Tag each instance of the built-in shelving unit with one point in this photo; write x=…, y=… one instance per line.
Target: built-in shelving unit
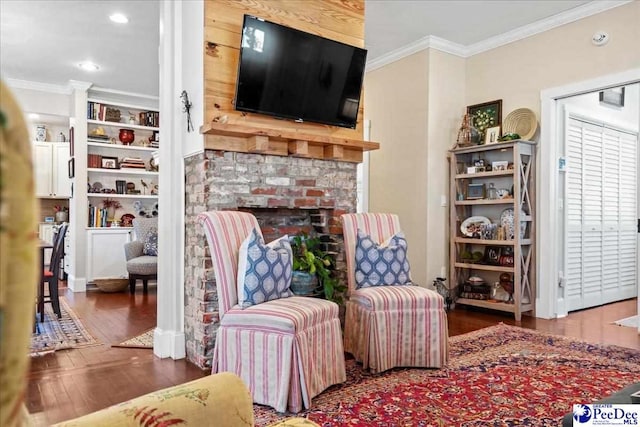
x=107, y=178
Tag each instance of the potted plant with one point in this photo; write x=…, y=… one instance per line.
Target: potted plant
x=61, y=213
x=312, y=269
x=111, y=205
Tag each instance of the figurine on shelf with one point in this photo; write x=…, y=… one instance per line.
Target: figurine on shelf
x=507, y=285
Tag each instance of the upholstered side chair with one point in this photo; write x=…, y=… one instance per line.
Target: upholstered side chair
x=286, y=350
x=142, y=253
x=390, y=326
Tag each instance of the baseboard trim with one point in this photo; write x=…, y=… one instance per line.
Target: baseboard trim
x=169, y=344
x=76, y=284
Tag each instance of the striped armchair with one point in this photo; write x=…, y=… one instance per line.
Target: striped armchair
x=390, y=326
x=286, y=350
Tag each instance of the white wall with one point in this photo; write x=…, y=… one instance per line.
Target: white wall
x=397, y=99
x=43, y=102
x=397, y=109
x=193, y=73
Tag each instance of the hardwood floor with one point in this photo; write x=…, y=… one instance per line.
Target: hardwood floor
x=70, y=383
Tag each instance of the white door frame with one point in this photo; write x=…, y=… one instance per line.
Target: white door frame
x=548, y=303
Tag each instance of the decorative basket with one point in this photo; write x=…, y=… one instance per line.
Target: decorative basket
x=521, y=121
x=112, y=285
x=112, y=115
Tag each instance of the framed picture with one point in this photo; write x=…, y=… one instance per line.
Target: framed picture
x=71, y=140
x=71, y=167
x=500, y=165
x=485, y=116
x=492, y=255
x=475, y=191
x=109, y=162
x=613, y=96
x=492, y=135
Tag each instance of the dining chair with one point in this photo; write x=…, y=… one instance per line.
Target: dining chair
x=50, y=275
x=287, y=350
x=390, y=322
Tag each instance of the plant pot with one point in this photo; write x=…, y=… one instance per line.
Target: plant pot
x=62, y=216
x=304, y=283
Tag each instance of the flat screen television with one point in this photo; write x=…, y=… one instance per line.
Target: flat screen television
x=291, y=74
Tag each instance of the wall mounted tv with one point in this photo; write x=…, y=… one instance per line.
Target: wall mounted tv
x=287, y=73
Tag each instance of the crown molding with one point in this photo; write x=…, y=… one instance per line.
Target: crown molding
x=116, y=92
x=42, y=87
x=80, y=85
x=421, y=44
x=433, y=42
x=571, y=15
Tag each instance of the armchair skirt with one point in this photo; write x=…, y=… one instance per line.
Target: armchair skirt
x=391, y=326
x=297, y=350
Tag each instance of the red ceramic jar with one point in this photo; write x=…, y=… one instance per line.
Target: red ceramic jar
x=126, y=136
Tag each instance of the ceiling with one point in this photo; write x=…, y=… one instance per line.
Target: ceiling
x=44, y=41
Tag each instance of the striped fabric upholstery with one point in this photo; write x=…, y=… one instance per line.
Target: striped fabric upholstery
x=287, y=350
x=391, y=326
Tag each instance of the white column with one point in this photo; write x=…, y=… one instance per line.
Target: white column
x=77, y=278
x=169, y=340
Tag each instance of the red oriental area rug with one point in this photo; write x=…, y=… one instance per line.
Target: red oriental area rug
x=497, y=376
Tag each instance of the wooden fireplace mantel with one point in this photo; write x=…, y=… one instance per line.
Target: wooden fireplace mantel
x=247, y=139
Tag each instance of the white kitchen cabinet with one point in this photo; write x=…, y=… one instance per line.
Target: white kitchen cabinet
x=67, y=251
x=45, y=232
x=105, y=253
x=50, y=161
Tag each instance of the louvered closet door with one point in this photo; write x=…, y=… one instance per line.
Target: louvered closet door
x=600, y=220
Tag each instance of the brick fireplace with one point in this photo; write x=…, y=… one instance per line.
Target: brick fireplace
x=287, y=194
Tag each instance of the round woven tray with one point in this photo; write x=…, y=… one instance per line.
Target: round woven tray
x=112, y=285
x=521, y=121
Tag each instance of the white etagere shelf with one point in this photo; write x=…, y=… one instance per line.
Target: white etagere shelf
x=121, y=125
x=110, y=228
x=121, y=146
x=125, y=171
x=122, y=196
x=120, y=105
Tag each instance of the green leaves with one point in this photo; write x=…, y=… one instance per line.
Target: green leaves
x=307, y=256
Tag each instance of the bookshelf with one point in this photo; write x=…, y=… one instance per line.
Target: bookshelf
x=117, y=169
x=492, y=220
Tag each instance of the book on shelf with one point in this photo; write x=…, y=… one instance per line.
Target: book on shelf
x=94, y=160
x=97, y=217
x=474, y=295
x=132, y=162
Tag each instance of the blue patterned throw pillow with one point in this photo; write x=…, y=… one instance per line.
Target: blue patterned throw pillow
x=151, y=244
x=383, y=264
x=264, y=271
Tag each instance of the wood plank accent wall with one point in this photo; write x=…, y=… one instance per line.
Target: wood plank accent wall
x=341, y=20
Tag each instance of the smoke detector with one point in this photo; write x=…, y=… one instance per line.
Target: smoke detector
x=600, y=38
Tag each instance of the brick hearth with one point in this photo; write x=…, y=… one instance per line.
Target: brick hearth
x=287, y=195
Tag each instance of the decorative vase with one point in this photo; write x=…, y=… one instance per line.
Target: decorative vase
x=304, y=283
x=111, y=213
x=126, y=136
x=41, y=133
x=468, y=135
x=62, y=216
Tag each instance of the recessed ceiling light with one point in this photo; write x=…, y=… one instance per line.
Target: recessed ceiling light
x=34, y=116
x=88, y=66
x=119, y=18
